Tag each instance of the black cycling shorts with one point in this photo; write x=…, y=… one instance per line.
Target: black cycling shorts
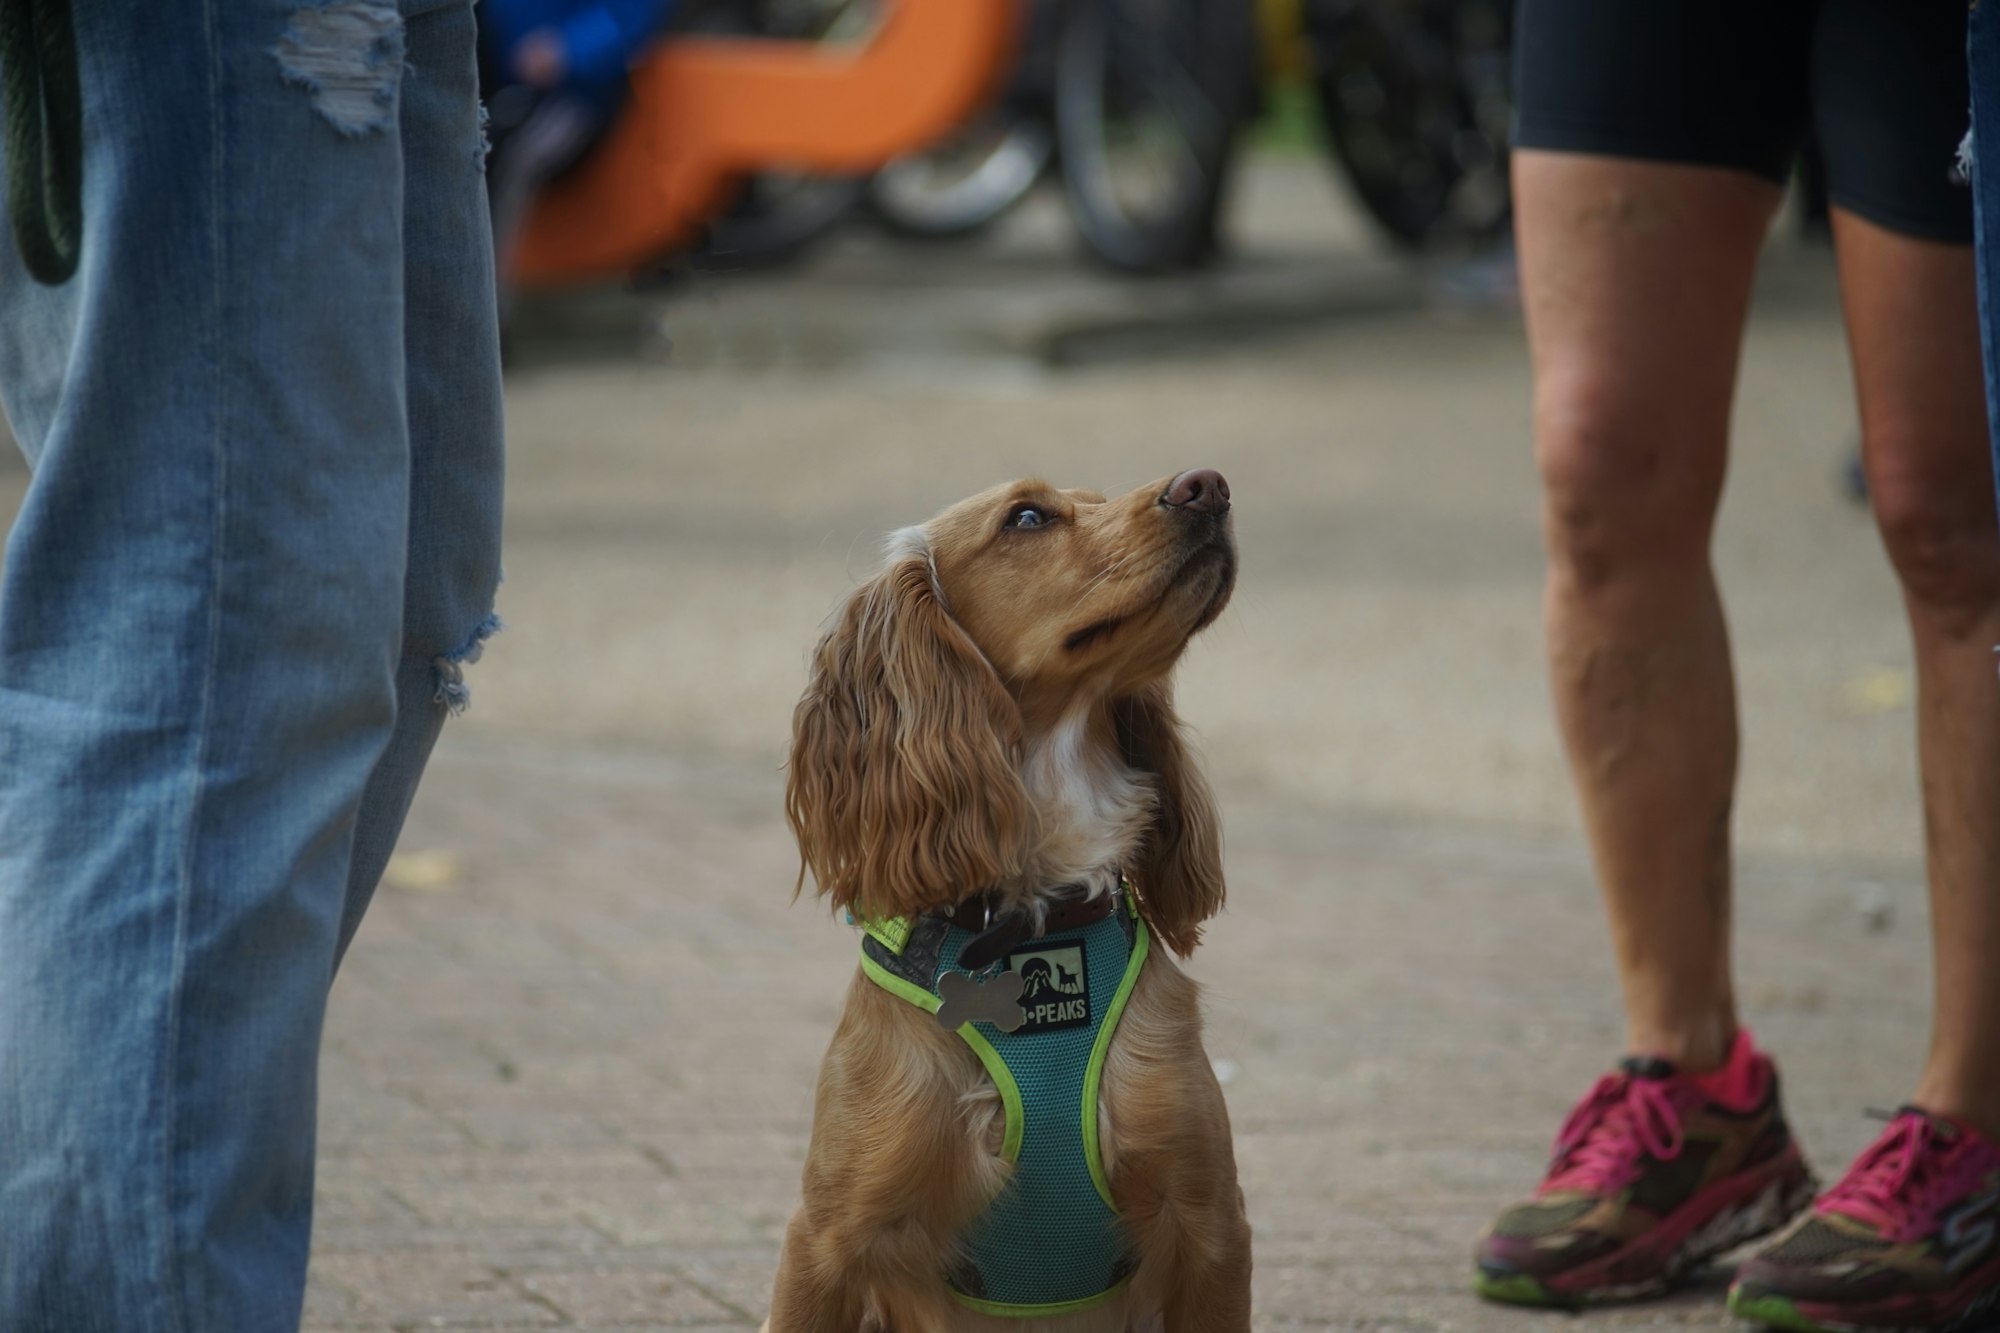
x=1736, y=83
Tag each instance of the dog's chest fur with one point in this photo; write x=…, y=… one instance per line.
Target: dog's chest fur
x=1093, y=809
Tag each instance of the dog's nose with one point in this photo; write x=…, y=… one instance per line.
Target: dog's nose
x=1201, y=489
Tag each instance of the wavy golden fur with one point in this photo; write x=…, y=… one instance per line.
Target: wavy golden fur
x=906, y=752
x=992, y=713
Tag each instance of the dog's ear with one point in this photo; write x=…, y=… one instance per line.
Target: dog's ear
x=1179, y=869
x=904, y=787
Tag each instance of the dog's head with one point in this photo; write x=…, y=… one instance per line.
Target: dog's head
x=1013, y=614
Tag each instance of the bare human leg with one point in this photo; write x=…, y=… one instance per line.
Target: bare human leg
x=1636, y=279
x=1914, y=332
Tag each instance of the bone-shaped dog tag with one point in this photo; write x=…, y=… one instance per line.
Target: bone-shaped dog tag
x=967, y=999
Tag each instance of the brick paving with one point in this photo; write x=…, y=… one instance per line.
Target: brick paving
x=568, y=1065
x=567, y=1079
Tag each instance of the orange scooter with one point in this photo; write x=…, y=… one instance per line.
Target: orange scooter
x=707, y=111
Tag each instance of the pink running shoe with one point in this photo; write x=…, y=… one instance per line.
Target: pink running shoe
x=1654, y=1172
x=1909, y=1239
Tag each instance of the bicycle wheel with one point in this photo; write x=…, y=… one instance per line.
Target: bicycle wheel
x=966, y=183
x=1150, y=98
x=776, y=217
x=1415, y=96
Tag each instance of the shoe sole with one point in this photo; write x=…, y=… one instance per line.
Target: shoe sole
x=1517, y=1289
x=1775, y=1311
x=1762, y=1214
x=1778, y=1312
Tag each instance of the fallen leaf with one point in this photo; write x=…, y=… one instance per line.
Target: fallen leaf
x=421, y=872
x=1883, y=690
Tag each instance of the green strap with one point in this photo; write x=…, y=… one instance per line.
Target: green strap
x=1009, y=1311
x=43, y=95
x=996, y=1067
x=1094, y=1075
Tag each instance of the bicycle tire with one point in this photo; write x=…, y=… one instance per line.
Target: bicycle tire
x=777, y=217
x=1415, y=100
x=1194, y=71
x=910, y=200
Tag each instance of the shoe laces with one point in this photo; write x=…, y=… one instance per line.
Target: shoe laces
x=1620, y=1120
x=1918, y=1165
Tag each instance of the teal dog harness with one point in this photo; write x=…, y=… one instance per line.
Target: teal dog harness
x=1050, y=1242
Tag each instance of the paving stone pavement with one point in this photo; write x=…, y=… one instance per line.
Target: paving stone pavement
x=568, y=1074
x=569, y=1063
x=568, y=1066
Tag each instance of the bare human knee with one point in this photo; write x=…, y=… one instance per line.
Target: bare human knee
x=1943, y=541
x=1626, y=498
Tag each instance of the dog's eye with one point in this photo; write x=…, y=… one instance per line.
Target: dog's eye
x=1026, y=516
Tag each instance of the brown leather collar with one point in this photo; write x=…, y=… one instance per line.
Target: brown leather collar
x=995, y=933
x=1068, y=910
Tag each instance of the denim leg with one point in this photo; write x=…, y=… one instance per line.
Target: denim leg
x=201, y=649
x=1983, y=55
x=452, y=359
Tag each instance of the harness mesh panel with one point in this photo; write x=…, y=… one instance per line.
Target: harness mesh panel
x=1049, y=1237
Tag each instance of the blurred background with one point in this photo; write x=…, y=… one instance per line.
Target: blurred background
x=569, y=1064
x=706, y=450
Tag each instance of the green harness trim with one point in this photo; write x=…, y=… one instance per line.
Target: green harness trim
x=1050, y=1243
x=1006, y=1311
x=1010, y=1095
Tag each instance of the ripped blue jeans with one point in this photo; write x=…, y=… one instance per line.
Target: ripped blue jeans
x=260, y=543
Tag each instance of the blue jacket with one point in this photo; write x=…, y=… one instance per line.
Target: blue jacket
x=602, y=35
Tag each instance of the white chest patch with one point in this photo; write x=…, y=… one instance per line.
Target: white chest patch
x=1093, y=808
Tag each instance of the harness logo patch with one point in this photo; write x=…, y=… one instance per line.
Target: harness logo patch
x=1055, y=986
